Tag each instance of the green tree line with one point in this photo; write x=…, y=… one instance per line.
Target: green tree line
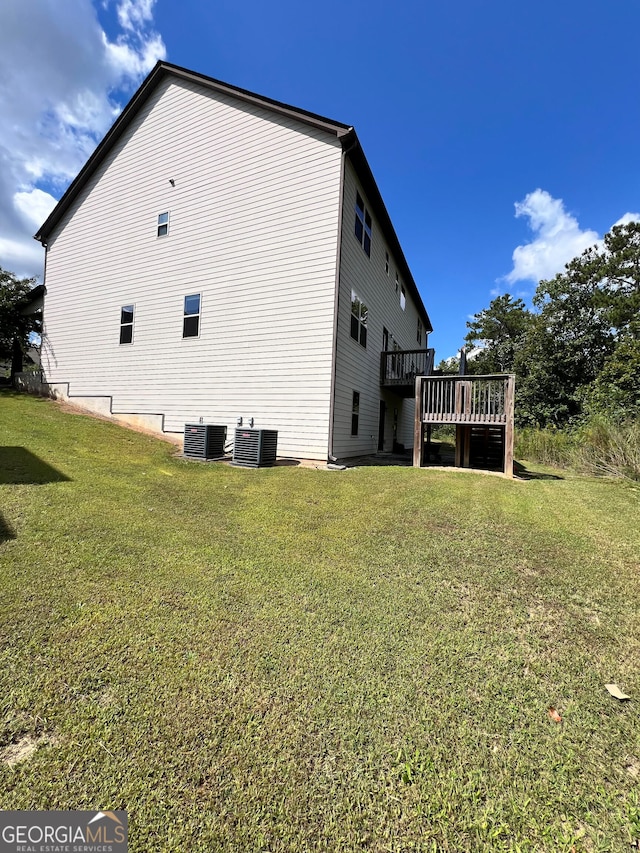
x=15, y=325
x=576, y=353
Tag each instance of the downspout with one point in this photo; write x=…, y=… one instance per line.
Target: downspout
x=44, y=298
x=336, y=299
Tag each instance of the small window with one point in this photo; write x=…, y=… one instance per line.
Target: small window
x=419, y=333
x=403, y=298
x=397, y=282
x=363, y=225
x=359, y=319
x=386, y=262
x=126, y=324
x=191, y=321
x=355, y=412
x=163, y=224
x=359, y=229
x=367, y=233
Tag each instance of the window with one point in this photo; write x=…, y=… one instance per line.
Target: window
x=419, y=335
x=359, y=317
x=355, y=412
x=363, y=225
x=126, y=324
x=191, y=322
x=403, y=297
x=163, y=224
x=386, y=262
x=397, y=282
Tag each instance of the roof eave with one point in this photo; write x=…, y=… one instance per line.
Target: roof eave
x=345, y=133
x=160, y=70
x=355, y=152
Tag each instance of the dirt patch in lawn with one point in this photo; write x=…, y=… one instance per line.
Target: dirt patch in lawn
x=22, y=750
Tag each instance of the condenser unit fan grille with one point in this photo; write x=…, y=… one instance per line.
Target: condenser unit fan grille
x=255, y=448
x=204, y=441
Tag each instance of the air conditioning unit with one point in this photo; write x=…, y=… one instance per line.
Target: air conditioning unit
x=255, y=448
x=204, y=441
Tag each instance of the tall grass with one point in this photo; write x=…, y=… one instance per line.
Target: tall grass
x=599, y=446
x=610, y=449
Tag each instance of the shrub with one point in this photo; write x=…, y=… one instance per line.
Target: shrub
x=608, y=448
x=599, y=446
x=549, y=446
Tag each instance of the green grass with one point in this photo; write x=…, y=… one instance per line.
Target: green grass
x=291, y=659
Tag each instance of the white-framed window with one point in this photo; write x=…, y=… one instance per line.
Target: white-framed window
x=126, y=324
x=359, y=319
x=397, y=281
x=363, y=225
x=386, y=263
x=355, y=412
x=419, y=332
x=191, y=319
x=403, y=297
x=163, y=224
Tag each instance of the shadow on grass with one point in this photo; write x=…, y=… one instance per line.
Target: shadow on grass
x=6, y=532
x=522, y=473
x=18, y=466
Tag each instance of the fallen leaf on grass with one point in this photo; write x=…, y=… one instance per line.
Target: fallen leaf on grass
x=554, y=715
x=616, y=692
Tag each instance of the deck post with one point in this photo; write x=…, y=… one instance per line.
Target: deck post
x=467, y=446
x=459, y=445
x=509, y=404
x=417, y=425
x=467, y=398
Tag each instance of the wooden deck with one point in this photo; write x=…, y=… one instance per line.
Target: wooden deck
x=399, y=369
x=468, y=402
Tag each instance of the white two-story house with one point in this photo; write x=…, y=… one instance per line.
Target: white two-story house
x=221, y=255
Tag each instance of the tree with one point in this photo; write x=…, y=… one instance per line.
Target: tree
x=585, y=314
x=567, y=344
x=500, y=331
x=577, y=351
x=15, y=326
x=448, y=366
x=616, y=390
x=619, y=274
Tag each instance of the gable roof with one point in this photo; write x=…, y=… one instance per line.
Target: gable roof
x=343, y=132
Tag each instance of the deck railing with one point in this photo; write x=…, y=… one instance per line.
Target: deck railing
x=400, y=367
x=465, y=399
x=467, y=402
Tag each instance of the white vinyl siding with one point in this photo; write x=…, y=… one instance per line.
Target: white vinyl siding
x=357, y=367
x=253, y=229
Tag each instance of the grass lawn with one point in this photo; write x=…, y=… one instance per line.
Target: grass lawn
x=292, y=659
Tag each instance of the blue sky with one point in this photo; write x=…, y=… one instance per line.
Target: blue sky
x=469, y=114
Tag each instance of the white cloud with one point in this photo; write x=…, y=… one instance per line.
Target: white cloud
x=22, y=256
x=626, y=218
x=34, y=206
x=557, y=239
x=133, y=62
x=57, y=103
x=133, y=14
